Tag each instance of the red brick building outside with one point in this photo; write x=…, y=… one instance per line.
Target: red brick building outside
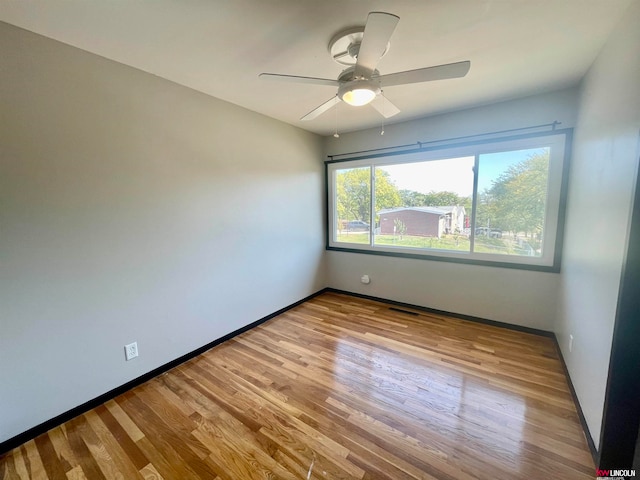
x=418, y=221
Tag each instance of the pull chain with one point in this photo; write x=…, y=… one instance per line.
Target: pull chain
x=336, y=109
x=384, y=103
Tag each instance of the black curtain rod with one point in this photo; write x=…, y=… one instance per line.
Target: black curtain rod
x=552, y=125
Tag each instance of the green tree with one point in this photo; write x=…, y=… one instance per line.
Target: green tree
x=353, y=193
x=486, y=214
x=411, y=198
x=435, y=199
x=516, y=200
x=387, y=195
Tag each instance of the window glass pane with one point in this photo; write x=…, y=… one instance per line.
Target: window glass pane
x=353, y=205
x=424, y=205
x=428, y=203
x=512, y=196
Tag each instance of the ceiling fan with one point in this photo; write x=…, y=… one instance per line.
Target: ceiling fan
x=361, y=49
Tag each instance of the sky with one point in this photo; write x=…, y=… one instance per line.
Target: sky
x=492, y=165
x=454, y=174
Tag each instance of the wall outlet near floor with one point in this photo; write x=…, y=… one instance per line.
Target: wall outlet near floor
x=131, y=351
x=570, y=343
x=365, y=279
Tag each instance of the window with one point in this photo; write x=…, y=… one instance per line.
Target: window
x=492, y=202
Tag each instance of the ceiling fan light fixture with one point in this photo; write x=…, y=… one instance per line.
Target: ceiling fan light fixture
x=358, y=96
x=358, y=92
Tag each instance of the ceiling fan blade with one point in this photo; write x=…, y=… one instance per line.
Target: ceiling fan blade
x=297, y=79
x=377, y=32
x=440, y=72
x=385, y=107
x=316, y=112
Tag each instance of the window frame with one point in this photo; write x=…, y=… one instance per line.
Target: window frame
x=559, y=140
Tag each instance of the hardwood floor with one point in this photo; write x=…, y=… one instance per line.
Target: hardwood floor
x=350, y=385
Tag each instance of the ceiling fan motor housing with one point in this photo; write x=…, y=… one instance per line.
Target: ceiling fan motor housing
x=348, y=75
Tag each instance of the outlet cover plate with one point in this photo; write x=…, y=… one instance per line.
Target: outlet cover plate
x=131, y=351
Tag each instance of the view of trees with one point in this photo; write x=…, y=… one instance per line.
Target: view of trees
x=412, y=198
x=353, y=193
x=515, y=202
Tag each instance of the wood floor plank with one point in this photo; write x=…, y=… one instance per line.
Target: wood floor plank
x=149, y=472
x=63, y=449
x=114, y=448
x=235, y=452
x=97, y=449
x=280, y=424
x=50, y=461
x=351, y=385
x=126, y=443
x=8, y=467
x=86, y=461
x=158, y=460
x=76, y=473
x=167, y=440
x=123, y=419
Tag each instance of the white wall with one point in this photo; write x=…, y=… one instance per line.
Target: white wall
x=517, y=297
x=133, y=209
x=599, y=205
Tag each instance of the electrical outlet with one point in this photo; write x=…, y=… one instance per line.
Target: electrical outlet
x=570, y=343
x=131, y=351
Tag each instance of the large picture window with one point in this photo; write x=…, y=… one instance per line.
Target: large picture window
x=492, y=202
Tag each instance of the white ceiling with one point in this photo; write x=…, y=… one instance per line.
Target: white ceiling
x=218, y=47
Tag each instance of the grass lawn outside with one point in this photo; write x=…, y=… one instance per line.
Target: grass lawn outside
x=503, y=246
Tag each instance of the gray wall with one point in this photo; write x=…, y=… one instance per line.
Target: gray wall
x=513, y=296
x=599, y=206
x=133, y=209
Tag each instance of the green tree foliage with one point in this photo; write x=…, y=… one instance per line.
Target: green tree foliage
x=353, y=193
x=516, y=200
x=387, y=195
x=412, y=198
x=486, y=214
